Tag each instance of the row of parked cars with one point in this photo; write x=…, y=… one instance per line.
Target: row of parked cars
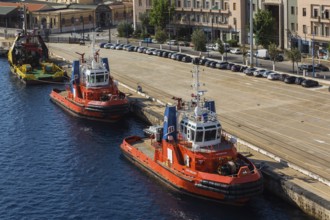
x=150, y=51
x=271, y=75
x=289, y=79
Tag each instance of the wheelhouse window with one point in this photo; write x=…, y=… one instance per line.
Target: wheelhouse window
x=210, y=135
x=192, y=134
x=199, y=135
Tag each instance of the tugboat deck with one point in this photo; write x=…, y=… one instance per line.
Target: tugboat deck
x=146, y=147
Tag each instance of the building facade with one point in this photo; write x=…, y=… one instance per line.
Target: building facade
x=224, y=19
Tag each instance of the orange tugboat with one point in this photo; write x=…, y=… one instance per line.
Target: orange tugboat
x=93, y=94
x=192, y=154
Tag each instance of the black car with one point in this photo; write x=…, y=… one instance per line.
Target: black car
x=207, y=63
x=213, y=64
x=165, y=54
x=299, y=80
x=229, y=65
x=179, y=57
x=186, y=59
x=309, y=83
x=236, y=68
x=290, y=79
x=321, y=67
x=243, y=68
x=203, y=61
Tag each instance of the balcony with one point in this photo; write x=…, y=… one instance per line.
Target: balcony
x=204, y=10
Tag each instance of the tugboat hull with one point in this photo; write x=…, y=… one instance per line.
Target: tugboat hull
x=187, y=181
x=104, y=111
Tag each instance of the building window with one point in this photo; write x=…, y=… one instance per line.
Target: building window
x=207, y=5
x=326, y=14
x=254, y=7
x=316, y=13
x=292, y=10
x=197, y=4
x=304, y=12
x=226, y=6
x=316, y=30
x=179, y=4
x=234, y=6
x=140, y=2
x=304, y=29
x=292, y=26
x=326, y=30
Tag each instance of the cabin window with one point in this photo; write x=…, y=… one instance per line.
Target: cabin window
x=210, y=135
x=192, y=134
x=100, y=77
x=199, y=136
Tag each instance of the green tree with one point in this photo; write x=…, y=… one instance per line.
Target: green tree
x=221, y=47
x=124, y=29
x=160, y=35
x=263, y=28
x=198, y=38
x=273, y=53
x=161, y=13
x=144, y=18
x=295, y=56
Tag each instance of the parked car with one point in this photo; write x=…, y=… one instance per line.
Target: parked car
x=172, y=42
x=101, y=45
x=213, y=64
x=279, y=57
x=203, y=61
x=126, y=46
x=98, y=29
x=309, y=83
x=187, y=59
x=184, y=43
x=131, y=48
x=290, y=79
x=108, y=45
x=243, y=68
x=306, y=67
x=150, y=51
x=274, y=76
x=266, y=73
x=207, y=63
x=165, y=54
x=229, y=66
x=259, y=73
x=113, y=46
x=236, y=68
x=120, y=47
x=321, y=67
x=283, y=76
x=236, y=51
x=141, y=49
x=299, y=80
x=249, y=71
x=222, y=65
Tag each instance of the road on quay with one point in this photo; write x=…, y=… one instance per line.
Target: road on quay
x=289, y=121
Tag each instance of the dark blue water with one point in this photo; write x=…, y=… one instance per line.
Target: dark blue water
x=55, y=166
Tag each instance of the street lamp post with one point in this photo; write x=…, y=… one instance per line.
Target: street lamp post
x=313, y=55
x=251, y=33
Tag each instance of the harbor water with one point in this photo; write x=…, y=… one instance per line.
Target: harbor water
x=56, y=166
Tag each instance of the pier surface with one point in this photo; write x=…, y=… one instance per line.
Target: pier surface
x=287, y=125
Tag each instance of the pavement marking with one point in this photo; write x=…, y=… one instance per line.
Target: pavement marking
x=320, y=141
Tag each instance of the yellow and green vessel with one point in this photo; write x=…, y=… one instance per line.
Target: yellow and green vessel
x=28, y=58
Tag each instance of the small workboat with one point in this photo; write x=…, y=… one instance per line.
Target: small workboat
x=93, y=93
x=28, y=58
x=192, y=154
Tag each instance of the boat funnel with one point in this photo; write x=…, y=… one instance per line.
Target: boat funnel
x=210, y=105
x=106, y=63
x=169, y=128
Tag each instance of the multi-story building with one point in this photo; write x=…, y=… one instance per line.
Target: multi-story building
x=224, y=19
x=313, y=26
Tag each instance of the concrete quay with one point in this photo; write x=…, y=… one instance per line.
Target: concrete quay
x=283, y=127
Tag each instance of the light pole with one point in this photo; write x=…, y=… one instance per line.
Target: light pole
x=251, y=33
x=313, y=54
